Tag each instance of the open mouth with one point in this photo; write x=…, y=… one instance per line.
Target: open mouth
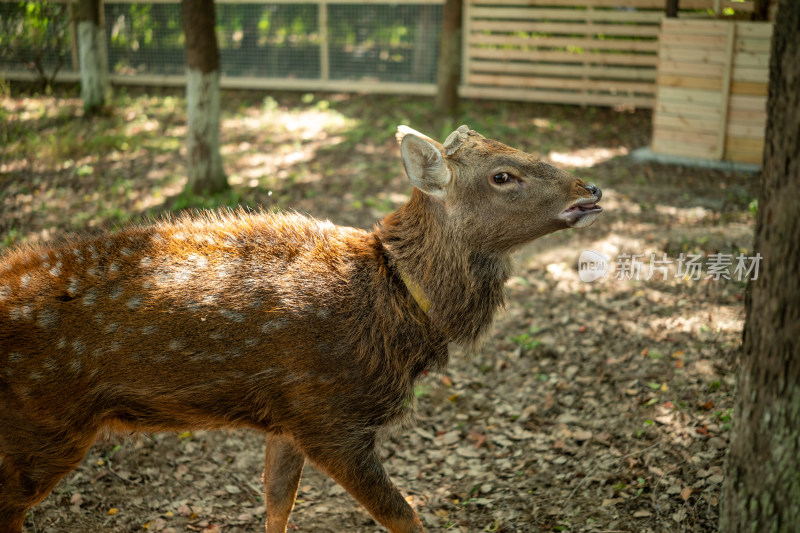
x=582, y=213
x=582, y=207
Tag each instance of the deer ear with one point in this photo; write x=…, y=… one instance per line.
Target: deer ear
x=403, y=130
x=424, y=164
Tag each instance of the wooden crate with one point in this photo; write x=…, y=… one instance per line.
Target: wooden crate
x=589, y=52
x=712, y=89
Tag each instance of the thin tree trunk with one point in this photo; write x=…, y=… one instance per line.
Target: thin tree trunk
x=760, y=10
x=762, y=484
x=449, y=71
x=202, y=98
x=672, y=8
x=93, y=55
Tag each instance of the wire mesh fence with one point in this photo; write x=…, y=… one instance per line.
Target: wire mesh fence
x=302, y=44
x=595, y=52
x=36, y=37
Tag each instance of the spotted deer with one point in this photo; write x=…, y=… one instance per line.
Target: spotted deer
x=312, y=333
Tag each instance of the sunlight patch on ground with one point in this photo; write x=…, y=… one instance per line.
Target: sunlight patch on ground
x=280, y=140
x=586, y=157
x=300, y=125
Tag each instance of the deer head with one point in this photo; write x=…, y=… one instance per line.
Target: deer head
x=495, y=196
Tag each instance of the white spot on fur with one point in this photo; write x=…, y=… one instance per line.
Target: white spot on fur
x=62, y=342
x=14, y=313
x=5, y=292
x=27, y=312
x=93, y=271
x=149, y=330
x=99, y=318
x=36, y=376
x=14, y=357
x=178, y=275
x=114, y=346
x=176, y=344
x=251, y=342
x=233, y=316
x=49, y=364
x=90, y=298
x=145, y=262
x=116, y=292
x=56, y=270
x=78, y=346
x=134, y=303
x=114, y=267
x=274, y=325
x=76, y=365
x=209, y=299
x=47, y=318
x=112, y=327
x=126, y=252
x=199, y=259
x=74, y=285
x=25, y=279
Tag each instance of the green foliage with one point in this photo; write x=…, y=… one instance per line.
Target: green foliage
x=35, y=36
x=753, y=206
x=187, y=200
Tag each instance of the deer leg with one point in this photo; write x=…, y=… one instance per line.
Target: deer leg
x=361, y=474
x=282, y=469
x=31, y=468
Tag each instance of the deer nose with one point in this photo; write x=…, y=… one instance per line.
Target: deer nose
x=594, y=189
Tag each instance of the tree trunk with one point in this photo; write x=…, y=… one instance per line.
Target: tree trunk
x=760, y=10
x=202, y=98
x=93, y=56
x=762, y=483
x=449, y=69
x=672, y=8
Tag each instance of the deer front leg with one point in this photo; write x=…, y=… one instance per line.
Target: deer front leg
x=363, y=476
x=283, y=466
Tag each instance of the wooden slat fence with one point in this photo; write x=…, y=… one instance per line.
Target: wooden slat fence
x=712, y=78
x=590, y=52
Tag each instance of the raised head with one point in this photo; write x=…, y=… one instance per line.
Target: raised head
x=495, y=195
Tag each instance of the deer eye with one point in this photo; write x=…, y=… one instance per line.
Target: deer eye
x=502, y=177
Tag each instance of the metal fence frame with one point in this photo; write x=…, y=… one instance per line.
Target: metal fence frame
x=323, y=83
x=510, y=67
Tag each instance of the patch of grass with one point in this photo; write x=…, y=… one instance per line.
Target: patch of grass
x=13, y=236
x=187, y=200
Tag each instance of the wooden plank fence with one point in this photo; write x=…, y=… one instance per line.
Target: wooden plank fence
x=712, y=89
x=590, y=52
x=585, y=52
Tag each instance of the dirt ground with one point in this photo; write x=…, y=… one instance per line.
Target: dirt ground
x=597, y=407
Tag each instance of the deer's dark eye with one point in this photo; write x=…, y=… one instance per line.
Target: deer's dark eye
x=502, y=177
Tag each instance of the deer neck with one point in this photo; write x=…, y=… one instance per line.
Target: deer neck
x=457, y=287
